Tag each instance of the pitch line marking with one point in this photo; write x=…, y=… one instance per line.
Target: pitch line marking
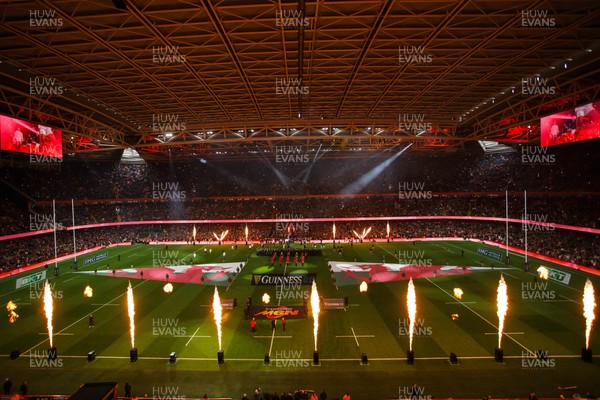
x=349, y=336
x=63, y=273
x=505, y=333
x=276, y=337
x=460, y=302
x=70, y=279
x=568, y=299
x=479, y=315
x=487, y=357
x=527, y=272
x=105, y=304
x=272, y=337
x=57, y=334
x=191, y=337
x=196, y=336
x=80, y=319
x=355, y=338
x=278, y=303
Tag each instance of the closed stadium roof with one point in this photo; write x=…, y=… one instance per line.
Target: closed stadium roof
x=199, y=78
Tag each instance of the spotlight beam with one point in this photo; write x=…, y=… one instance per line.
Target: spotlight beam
x=363, y=181
x=245, y=183
x=285, y=181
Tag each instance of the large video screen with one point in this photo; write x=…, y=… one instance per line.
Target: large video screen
x=574, y=125
x=26, y=137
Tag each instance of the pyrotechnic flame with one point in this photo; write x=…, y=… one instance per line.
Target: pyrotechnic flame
x=12, y=315
x=543, y=271
x=458, y=293
x=48, y=309
x=218, y=311
x=589, y=303
x=266, y=298
x=194, y=232
x=387, y=228
x=502, y=300
x=246, y=232
x=88, y=292
x=364, y=233
x=221, y=236
x=131, y=313
x=168, y=288
x=454, y=317
x=411, y=300
x=364, y=286
x=316, y=308
x=333, y=231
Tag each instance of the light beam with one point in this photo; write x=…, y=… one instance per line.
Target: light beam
x=221, y=236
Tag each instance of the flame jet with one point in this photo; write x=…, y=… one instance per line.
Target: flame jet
x=316, y=308
x=131, y=313
x=48, y=310
x=218, y=311
x=502, y=300
x=589, y=303
x=411, y=300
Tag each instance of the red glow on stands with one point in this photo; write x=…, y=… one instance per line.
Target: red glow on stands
x=314, y=196
x=275, y=220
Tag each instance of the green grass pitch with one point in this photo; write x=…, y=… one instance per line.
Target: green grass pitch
x=373, y=323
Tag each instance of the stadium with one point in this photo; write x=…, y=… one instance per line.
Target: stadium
x=273, y=200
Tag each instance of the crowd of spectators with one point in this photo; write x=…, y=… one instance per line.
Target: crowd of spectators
x=572, y=246
x=563, y=191
x=569, y=210
x=569, y=169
